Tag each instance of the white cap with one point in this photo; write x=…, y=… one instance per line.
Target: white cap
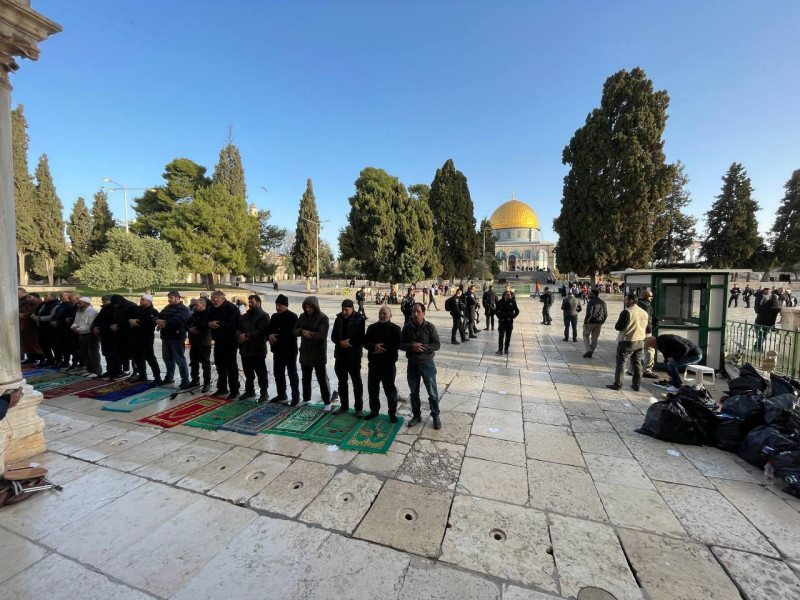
x=85, y=299
x=146, y=297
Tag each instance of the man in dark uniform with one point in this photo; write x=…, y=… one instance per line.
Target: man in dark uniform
x=382, y=341
x=283, y=344
x=489, y=305
x=223, y=320
x=347, y=336
x=472, y=309
x=252, y=337
x=547, y=301
x=143, y=336
x=406, y=303
x=748, y=292
x=171, y=322
x=200, y=344
x=507, y=311
x=457, y=308
x=360, y=297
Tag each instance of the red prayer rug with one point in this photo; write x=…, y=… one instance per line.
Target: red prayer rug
x=74, y=388
x=177, y=415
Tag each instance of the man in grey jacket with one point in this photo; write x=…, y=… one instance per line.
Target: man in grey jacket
x=420, y=341
x=570, y=307
x=596, y=315
x=312, y=329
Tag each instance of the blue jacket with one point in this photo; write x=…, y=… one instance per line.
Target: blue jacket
x=176, y=316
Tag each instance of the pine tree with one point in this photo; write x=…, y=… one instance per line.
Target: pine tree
x=102, y=223
x=49, y=219
x=732, y=229
x=229, y=171
x=454, y=221
x=786, y=230
x=681, y=227
x=614, y=198
x=424, y=237
x=304, y=252
x=24, y=194
x=79, y=230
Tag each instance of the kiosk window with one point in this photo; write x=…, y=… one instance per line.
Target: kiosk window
x=680, y=301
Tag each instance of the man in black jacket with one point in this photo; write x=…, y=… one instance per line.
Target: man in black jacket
x=457, y=308
x=171, y=322
x=252, y=336
x=62, y=336
x=361, y=295
x=312, y=329
x=547, y=301
x=223, y=320
x=101, y=327
x=767, y=314
x=678, y=352
x=489, y=305
x=420, y=341
x=596, y=315
x=507, y=311
x=142, y=333
x=123, y=311
x=382, y=341
x=283, y=344
x=200, y=344
x=347, y=337
x=472, y=309
x=570, y=307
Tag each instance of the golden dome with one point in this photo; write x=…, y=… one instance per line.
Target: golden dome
x=514, y=214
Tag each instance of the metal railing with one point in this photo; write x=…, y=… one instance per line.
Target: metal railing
x=747, y=342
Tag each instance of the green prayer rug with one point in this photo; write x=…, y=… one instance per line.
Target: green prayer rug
x=222, y=415
x=375, y=435
x=334, y=429
x=297, y=422
x=49, y=385
x=44, y=377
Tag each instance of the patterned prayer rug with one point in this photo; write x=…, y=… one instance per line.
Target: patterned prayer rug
x=49, y=385
x=74, y=388
x=334, y=429
x=375, y=435
x=126, y=392
x=44, y=377
x=34, y=372
x=138, y=401
x=187, y=411
x=297, y=422
x=110, y=386
x=256, y=420
x=222, y=415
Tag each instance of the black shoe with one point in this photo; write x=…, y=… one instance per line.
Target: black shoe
x=341, y=410
x=294, y=402
x=393, y=418
x=247, y=395
x=415, y=420
x=157, y=382
x=233, y=395
x=455, y=342
x=30, y=361
x=279, y=398
x=371, y=415
x=566, y=339
x=169, y=381
x=499, y=353
x=505, y=351
x=263, y=398
x=587, y=355
x=437, y=424
x=195, y=382
x=206, y=388
x=220, y=392
x=649, y=375
x=185, y=385
x=613, y=386
x=486, y=329
x=103, y=374
x=359, y=414
x=472, y=336
x=635, y=388
x=629, y=373
x=574, y=339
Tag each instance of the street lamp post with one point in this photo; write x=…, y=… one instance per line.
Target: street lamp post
x=125, y=196
x=319, y=227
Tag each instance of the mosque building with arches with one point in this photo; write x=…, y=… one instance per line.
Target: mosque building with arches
x=517, y=246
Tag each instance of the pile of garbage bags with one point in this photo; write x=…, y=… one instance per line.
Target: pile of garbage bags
x=759, y=419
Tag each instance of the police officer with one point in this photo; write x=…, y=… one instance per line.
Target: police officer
x=507, y=311
x=472, y=309
x=547, y=301
x=457, y=308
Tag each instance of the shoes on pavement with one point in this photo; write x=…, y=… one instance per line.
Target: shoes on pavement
x=472, y=336
x=247, y=395
x=455, y=342
x=342, y=410
x=219, y=392
x=486, y=329
x=359, y=414
x=649, y=375
x=334, y=397
x=505, y=351
x=629, y=373
x=613, y=386
x=574, y=339
x=263, y=398
x=437, y=424
x=587, y=355
x=233, y=395
x=206, y=388
x=278, y=398
x=566, y=339
x=171, y=381
x=326, y=408
x=157, y=382
x=371, y=415
x=499, y=353
x=185, y=385
x=415, y=420
x=393, y=418
x=635, y=388
x=195, y=382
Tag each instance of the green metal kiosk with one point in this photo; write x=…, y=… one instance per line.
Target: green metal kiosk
x=692, y=303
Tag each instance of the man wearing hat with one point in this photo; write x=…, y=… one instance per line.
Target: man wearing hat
x=171, y=322
x=347, y=337
x=223, y=320
x=283, y=344
x=312, y=329
x=143, y=336
x=88, y=344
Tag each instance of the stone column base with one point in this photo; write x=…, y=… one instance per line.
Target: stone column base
x=21, y=432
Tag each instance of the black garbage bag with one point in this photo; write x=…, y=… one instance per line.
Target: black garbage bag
x=668, y=420
x=701, y=407
x=762, y=443
x=783, y=412
x=749, y=380
x=787, y=469
x=748, y=406
x=729, y=432
x=782, y=385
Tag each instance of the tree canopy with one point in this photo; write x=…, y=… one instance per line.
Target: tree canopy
x=24, y=194
x=614, y=197
x=79, y=230
x=731, y=227
x=50, y=221
x=454, y=221
x=680, y=231
x=102, y=222
x=786, y=230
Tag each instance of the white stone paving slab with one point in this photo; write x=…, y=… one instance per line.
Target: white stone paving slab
x=552, y=443
x=62, y=469
x=181, y=462
x=564, y=489
x=119, y=443
x=89, y=437
x=503, y=451
x=426, y=580
x=713, y=462
x=219, y=470
x=606, y=443
x=432, y=463
x=146, y=452
x=544, y=413
x=251, y=479
x=589, y=554
x=290, y=492
x=493, y=480
x=498, y=424
x=455, y=429
x=758, y=577
x=638, y=508
x=17, y=554
x=659, y=461
x=381, y=464
x=510, y=542
x=280, y=444
x=621, y=471
x=343, y=502
x=328, y=454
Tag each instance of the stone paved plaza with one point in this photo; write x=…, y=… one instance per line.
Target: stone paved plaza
x=536, y=487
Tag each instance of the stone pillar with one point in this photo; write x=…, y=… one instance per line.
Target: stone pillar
x=21, y=30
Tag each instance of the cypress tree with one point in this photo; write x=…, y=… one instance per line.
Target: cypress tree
x=49, y=219
x=786, y=230
x=79, y=230
x=304, y=251
x=229, y=171
x=102, y=222
x=732, y=229
x=614, y=198
x=423, y=237
x=454, y=221
x=680, y=226
x=24, y=194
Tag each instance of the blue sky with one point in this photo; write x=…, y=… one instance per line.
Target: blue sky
x=324, y=89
